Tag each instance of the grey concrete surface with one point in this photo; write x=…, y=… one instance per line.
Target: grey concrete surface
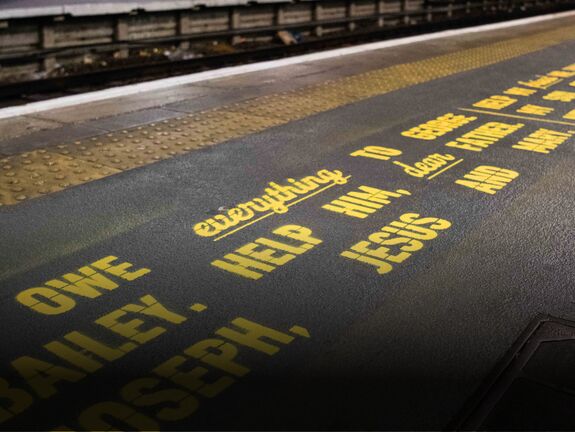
x=25, y=125
x=216, y=92
x=401, y=351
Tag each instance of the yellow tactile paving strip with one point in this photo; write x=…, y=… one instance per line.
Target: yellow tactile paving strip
x=32, y=174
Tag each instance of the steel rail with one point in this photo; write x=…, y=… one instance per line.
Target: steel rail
x=138, y=72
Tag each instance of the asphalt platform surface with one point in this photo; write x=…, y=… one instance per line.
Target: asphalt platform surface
x=406, y=349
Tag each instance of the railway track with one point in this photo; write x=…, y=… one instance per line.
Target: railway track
x=22, y=92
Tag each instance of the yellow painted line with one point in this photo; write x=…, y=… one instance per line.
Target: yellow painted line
x=29, y=175
x=444, y=169
x=315, y=193
x=517, y=116
x=272, y=213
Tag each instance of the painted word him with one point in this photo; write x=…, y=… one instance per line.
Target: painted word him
x=276, y=200
x=363, y=202
x=396, y=242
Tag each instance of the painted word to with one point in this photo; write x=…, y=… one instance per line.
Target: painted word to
x=376, y=152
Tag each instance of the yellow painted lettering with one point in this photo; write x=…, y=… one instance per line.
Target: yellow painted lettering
x=119, y=270
x=143, y=392
x=219, y=354
x=250, y=334
x=192, y=379
x=43, y=376
x=265, y=254
x=241, y=266
x=297, y=232
x=98, y=417
x=45, y=301
x=19, y=400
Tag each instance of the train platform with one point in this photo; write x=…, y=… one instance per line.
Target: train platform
x=376, y=237
x=16, y=9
